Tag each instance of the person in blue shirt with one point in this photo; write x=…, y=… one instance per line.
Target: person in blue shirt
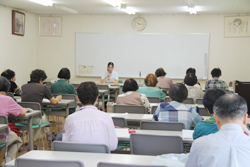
x=110, y=76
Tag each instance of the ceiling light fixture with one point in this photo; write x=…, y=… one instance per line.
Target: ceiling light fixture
x=114, y=3
x=127, y=10
x=66, y=9
x=43, y=2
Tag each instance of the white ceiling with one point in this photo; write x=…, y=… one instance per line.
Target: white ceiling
x=142, y=7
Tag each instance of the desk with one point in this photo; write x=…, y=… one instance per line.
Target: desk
x=28, y=116
x=3, y=126
x=192, y=105
x=88, y=159
x=116, y=89
x=102, y=94
x=207, y=117
x=133, y=117
x=158, y=132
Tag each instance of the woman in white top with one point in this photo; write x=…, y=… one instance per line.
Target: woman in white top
x=193, y=92
x=110, y=76
x=131, y=96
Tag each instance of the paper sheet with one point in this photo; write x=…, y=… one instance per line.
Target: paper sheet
x=119, y=115
x=46, y=100
x=122, y=132
x=147, y=116
x=187, y=134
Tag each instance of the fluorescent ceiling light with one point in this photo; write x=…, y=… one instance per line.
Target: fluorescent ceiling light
x=43, y=2
x=192, y=10
x=128, y=10
x=114, y=3
x=66, y=9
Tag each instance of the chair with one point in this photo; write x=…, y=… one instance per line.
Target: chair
x=48, y=84
x=203, y=112
x=153, y=109
x=166, y=91
x=154, y=99
x=106, y=94
x=107, y=164
x=120, y=82
x=198, y=101
x=167, y=99
x=75, y=86
x=144, y=144
x=167, y=126
x=188, y=101
x=23, y=162
x=5, y=131
x=79, y=147
x=134, y=109
x=121, y=122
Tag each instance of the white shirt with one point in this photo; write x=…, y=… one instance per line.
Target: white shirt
x=113, y=76
x=229, y=147
x=89, y=125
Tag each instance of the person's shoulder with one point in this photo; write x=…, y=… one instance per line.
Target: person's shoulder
x=115, y=72
x=204, y=140
x=6, y=98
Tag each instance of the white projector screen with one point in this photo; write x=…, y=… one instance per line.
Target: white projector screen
x=134, y=53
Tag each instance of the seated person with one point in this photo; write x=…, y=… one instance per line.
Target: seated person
x=63, y=86
x=9, y=106
x=193, y=92
x=11, y=76
x=110, y=76
x=209, y=126
x=150, y=89
x=35, y=91
x=131, y=96
x=230, y=146
x=193, y=71
x=88, y=124
x=163, y=82
x=215, y=83
x=176, y=111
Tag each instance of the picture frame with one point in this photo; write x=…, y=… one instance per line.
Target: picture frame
x=50, y=26
x=237, y=26
x=18, y=23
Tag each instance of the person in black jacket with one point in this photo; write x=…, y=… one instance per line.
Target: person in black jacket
x=11, y=76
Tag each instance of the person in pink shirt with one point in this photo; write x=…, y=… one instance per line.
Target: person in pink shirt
x=163, y=82
x=10, y=107
x=88, y=124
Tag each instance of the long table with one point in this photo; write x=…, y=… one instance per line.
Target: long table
x=88, y=159
x=207, y=117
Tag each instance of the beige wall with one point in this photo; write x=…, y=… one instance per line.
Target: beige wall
x=230, y=54
x=18, y=53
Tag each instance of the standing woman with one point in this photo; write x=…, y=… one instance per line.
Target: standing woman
x=110, y=76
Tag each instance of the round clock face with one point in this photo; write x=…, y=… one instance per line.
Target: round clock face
x=139, y=24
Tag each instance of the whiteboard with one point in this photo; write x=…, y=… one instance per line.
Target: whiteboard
x=134, y=53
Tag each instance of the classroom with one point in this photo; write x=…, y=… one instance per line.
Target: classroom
x=34, y=49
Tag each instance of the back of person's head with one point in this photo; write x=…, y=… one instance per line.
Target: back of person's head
x=64, y=73
x=37, y=76
x=160, y=72
x=87, y=93
x=216, y=72
x=4, y=84
x=210, y=97
x=191, y=70
x=130, y=85
x=190, y=79
x=230, y=107
x=8, y=74
x=178, y=92
x=151, y=80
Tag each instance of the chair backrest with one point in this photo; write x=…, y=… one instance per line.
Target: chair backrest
x=153, y=109
x=167, y=99
x=106, y=164
x=10, y=94
x=32, y=105
x=104, y=87
x=165, y=90
x=79, y=147
x=119, y=108
x=188, y=101
x=121, y=122
x=167, y=126
x=75, y=86
x=203, y=112
x=144, y=144
x=4, y=120
x=69, y=97
x=154, y=99
x=198, y=101
x=48, y=84
x=22, y=162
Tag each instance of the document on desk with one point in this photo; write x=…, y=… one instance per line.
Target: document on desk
x=122, y=132
x=187, y=134
x=46, y=100
x=147, y=116
x=119, y=115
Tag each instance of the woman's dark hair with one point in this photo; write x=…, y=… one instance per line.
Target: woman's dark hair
x=210, y=97
x=130, y=85
x=178, y=92
x=8, y=74
x=37, y=75
x=160, y=72
x=190, y=79
x=111, y=63
x=64, y=73
x=216, y=72
x=191, y=70
x=151, y=80
x=4, y=84
x=87, y=93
